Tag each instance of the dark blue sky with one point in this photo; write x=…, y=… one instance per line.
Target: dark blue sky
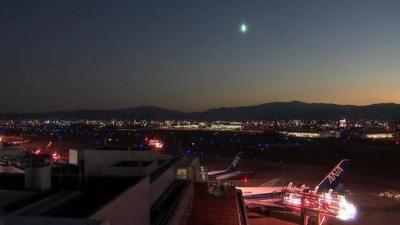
x=190, y=55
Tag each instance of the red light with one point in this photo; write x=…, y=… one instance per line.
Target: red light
x=156, y=144
x=245, y=180
x=55, y=156
x=37, y=151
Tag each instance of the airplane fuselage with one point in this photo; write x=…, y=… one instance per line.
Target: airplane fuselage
x=261, y=196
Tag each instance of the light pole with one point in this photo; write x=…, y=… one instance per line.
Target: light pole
x=283, y=176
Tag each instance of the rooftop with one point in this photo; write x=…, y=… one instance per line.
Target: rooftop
x=125, y=148
x=70, y=197
x=221, y=206
x=95, y=193
x=132, y=163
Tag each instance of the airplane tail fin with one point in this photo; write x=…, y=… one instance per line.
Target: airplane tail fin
x=235, y=164
x=332, y=180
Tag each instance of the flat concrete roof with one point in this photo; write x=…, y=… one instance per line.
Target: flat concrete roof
x=122, y=148
x=95, y=193
x=218, y=209
x=91, y=193
x=8, y=196
x=131, y=163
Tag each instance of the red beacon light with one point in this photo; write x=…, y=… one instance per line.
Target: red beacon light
x=55, y=156
x=245, y=180
x=37, y=151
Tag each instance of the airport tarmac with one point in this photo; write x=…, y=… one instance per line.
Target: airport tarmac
x=256, y=219
x=364, y=190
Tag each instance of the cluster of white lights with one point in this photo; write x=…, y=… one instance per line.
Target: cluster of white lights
x=347, y=211
x=380, y=136
x=156, y=143
x=338, y=206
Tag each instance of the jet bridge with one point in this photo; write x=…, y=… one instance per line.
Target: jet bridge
x=318, y=206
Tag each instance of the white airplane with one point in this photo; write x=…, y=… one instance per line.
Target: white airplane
x=263, y=196
x=230, y=172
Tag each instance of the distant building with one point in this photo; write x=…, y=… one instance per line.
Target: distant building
x=386, y=135
x=343, y=123
x=223, y=125
x=303, y=134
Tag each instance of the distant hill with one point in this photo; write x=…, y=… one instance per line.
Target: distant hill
x=274, y=110
x=301, y=110
x=141, y=112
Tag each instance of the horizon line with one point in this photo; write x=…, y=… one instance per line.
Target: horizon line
x=198, y=111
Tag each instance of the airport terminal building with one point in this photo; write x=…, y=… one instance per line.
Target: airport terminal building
x=112, y=186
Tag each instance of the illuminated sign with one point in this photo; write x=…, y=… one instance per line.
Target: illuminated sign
x=335, y=174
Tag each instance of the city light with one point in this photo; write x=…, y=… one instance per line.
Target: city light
x=380, y=136
x=155, y=143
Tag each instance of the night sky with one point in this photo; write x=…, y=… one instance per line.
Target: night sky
x=192, y=55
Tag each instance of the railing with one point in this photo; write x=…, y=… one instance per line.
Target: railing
x=242, y=209
x=159, y=171
x=167, y=203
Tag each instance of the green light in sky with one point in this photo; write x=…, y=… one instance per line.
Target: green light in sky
x=243, y=28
